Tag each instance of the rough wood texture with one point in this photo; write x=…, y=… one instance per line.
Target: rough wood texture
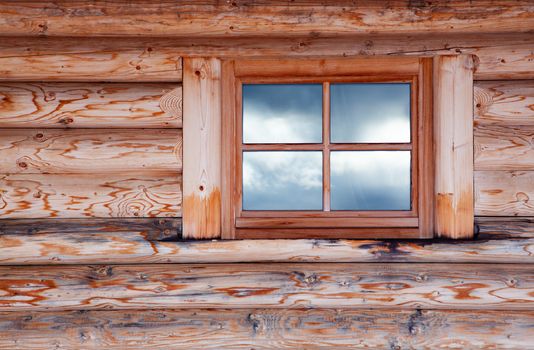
x=453, y=125
x=268, y=329
x=500, y=56
x=266, y=18
x=117, y=242
x=505, y=227
x=88, y=151
x=96, y=105
x=202, y=148
x=90, y=195
x=157, y=229
x=400, y=286
x=504, y=147
x=505, y=102
x=504, y=193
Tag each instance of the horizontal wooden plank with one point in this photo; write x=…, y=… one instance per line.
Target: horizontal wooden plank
x=499, y=227
x=501, y=56
x=87, y=151
x=90, y=195
x=504, y=147
x=504, y=193
x=152, y=229
x=268, y=329
x=95, y=105
x=340, y=286
x=504, y=102
x=265, y=18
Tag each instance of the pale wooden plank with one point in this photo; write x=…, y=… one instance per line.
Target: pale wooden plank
x=506, y=147
x=268, y=329
x=202, y=148
x=504, y=193
x=90, y=195
x=86, y=151
x=505, y=102
x=453, y=125
x=96, y=105
x=56, y=242
x=340, y=286
x=267, y=18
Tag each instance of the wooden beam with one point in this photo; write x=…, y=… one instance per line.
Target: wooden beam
x=202, y=148
x=94, y=105
x=453, y=125
x=267, y=329
x=340, y=286
x=88, y=151
x=266, y=18
x=90, y=195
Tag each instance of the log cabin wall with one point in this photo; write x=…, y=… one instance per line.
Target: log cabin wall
x=90, y=186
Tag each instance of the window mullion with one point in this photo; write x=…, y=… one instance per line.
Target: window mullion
x=326, y=146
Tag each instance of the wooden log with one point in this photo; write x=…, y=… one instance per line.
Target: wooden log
x=266, y=18
x=500, y=56
x=504, y=227
x=152, y=229
x=506, y=147
x=453, y=138
x=90, y=195
x=86, y=151
x=202, y=148
x=340, y=286
x=268, y=329
x=504, y=193
x=96, y=105
x=132, y=243
x=504, y=102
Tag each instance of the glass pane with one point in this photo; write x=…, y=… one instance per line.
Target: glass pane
x=282, y=113
x=370, y=180
x=282, y=180
x=370, y=113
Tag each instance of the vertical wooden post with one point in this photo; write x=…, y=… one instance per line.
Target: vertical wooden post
x=453, y=126
x=202, y=148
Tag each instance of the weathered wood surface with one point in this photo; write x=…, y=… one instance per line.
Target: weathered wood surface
x=95, y=105
x=152, y=229
x=340, y=286
x=87, y=151
x=118, y=243
x=504, y=227
x=505, y=102
x=266, y=18
x=90, y=195
x=504, y=193
x=268, y=329
x=453, y=145
x=504, y=147
x=500, y=56
x=202, y=148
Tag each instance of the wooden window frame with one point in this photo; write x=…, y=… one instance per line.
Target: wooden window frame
x=415, y=223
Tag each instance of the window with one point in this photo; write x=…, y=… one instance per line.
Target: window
x=327, y=148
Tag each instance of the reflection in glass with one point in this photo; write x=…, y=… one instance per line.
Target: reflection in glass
x=282, y=113
x=282, y=180
x=370, y=113
x=370, y=180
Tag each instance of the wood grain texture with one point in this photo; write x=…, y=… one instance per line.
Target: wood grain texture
x=66, y=242
x=340, y=286
x=268, y=329
x=267, y=18
x=87, y=151
x=505, y=102
x=500, y=56
x=453, y=126
x=96, y=105
x=504, y=147
x=90, y=195
x=202, y=148
x=504, y=193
